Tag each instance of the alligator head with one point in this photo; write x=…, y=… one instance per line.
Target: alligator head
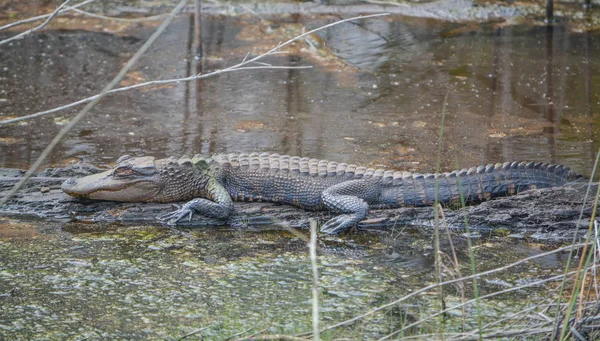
x=145, y=179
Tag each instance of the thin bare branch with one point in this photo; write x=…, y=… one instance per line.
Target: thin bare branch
x=316, y=30
x=141, y=85
x=386, y=3
x=40, y=17
x=132, y=20
x=90, y=105
x=37, y=28
x=236, y=67
x=504, y=334
x=575, y=236
x=238, y=334
x=263, y=64
x=246, y=56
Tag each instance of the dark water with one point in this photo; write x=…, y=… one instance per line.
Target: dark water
x=514, y=93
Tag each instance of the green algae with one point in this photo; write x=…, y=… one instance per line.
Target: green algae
x=145, y=282
x=133, y=283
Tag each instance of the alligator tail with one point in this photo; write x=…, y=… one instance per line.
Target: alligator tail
x=480, y=183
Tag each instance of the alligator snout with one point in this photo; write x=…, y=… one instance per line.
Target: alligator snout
x=70, y=186
x=69, y=182
x=106, y=186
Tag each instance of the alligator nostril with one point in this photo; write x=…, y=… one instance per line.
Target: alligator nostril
x=70, y=182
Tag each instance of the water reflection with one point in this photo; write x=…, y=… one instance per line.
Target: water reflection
x=549, y=93
x=514, y=93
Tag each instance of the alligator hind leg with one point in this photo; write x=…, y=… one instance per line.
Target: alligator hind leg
x=349, y=198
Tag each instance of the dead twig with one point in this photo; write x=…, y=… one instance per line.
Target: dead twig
x=237, y=67
x=193, y=333
x=37, y=28
x=460, y=285
x=130, y=20
x=238, y=334
x=141, y=85
x=40, y=17
x=9, y=293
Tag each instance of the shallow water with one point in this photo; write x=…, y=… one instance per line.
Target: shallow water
x=375, y=96
x=147, y=282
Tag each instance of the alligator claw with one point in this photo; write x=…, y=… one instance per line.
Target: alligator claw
x=338, y=224
x=236, y=222
x=172, y=218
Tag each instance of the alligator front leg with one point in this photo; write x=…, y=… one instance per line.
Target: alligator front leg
x=347, y=198
x=218, y=204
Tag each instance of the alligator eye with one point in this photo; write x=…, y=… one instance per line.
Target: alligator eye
x=123, y=158
x=123, y=172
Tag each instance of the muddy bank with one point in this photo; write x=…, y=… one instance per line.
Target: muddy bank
x=452, y=10
x=545, y=213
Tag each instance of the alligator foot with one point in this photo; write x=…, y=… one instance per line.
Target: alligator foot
x=340, y=223
x=350, y=199
x=201, y=206
x=236, y=222
x=172, y=218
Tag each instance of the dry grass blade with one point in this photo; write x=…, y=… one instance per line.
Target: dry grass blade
x=475, y=300
x=437, y=252
x=315, y=279
x=433, y=286
x=456, y=266
x=274, y=337
x=579, y=283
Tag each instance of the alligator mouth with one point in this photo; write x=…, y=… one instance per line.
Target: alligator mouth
x=103, y=186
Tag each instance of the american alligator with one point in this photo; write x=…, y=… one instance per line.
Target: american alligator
x=212, y=183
